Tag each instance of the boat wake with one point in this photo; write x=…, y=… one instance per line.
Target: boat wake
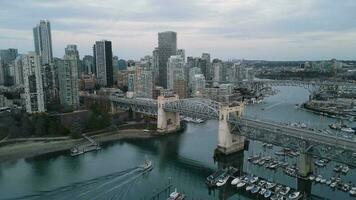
x=112, y=186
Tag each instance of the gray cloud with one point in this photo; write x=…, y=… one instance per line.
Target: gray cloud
x=229, y=28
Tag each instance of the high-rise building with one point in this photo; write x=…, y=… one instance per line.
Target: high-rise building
x=122, y=64
x=68, y=81
x=43, y=41
x=115, y=66
x=88, y=64
x=207, y=65
x=18, y=70
x=103, y=63
x=155, y=65
x=175, y=70
x=34, y=95
x=167, y=46
x=144, y=81
x=218, y=71
x=71, y=50
x=181, y=52
x=198, y=85
x=7, y=56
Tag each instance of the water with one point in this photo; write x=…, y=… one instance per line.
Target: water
x=184, y=160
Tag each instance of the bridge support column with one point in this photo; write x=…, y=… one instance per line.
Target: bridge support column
x=227, y=142
x=167, y=121
x=305, y=164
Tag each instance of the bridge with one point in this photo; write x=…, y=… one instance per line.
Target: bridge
x=310, y=85
x=235, y=128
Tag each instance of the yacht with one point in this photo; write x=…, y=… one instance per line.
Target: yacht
x=295, y=195
x=249, y=187
x=348, y=130
x=254, y=179
x=285, y=191
x=345, y=169
x=235, y=181
x=222, y=180
x=255, y=189
x=263, y=191
x=241, y=184
x=267, y=194
x=312, y=177
x=176, y=196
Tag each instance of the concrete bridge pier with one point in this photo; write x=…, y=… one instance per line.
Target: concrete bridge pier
x=227, y=142
x=305, y=164
x=167, y=122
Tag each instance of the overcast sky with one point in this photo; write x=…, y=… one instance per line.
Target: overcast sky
x=250, y=29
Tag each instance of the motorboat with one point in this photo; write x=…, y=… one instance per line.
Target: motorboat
x=346, y=187
x=146, y=166
x=328, y=182
x=222, y=180
x=348, y=130
x=353, y=191
x=270, y=185
x=295, y=195
x=318, y=178
x=235, y=181
x=254, y=179
x=249, y=187
x=285, y=191
x=176, y=196
x=323, y=180
x=320, y=163
x=277, y=188
x=333, y=184
x=267, y=194
x=345, y=169
x=337, y=168
x=274, y=197
x=312, y=177
x=240, y=184
x=255, y=189
x=262, y=191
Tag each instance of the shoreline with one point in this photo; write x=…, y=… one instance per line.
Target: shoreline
x=29, y=149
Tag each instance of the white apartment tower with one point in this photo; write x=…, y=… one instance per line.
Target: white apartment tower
x=33, y=77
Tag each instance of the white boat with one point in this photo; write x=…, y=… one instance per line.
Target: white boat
x=270, y=185
x=249, y=187
x=240, y=184
x=345, y=169
x=311, y=177
x=222, y=180
x=235, y=181
x=295, y=195
x=323, y=180
x=146, y=166
x=285, y=191
x=318, y=178
x=176, y=196
x=262, y=192
x=267, y=194
x=254, y=179
x=348, y=130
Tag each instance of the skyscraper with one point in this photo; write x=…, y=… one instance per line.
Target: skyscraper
x=32, y=72
x=71, y=50
x=167, y=46
x=43, y=41
x=175, y=70
x=103, y=63
x=88, y=64
x=68, y=81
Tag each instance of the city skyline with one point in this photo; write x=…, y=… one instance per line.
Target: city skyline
x=268, y=30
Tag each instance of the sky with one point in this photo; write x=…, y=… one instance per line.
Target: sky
x=227, y=29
